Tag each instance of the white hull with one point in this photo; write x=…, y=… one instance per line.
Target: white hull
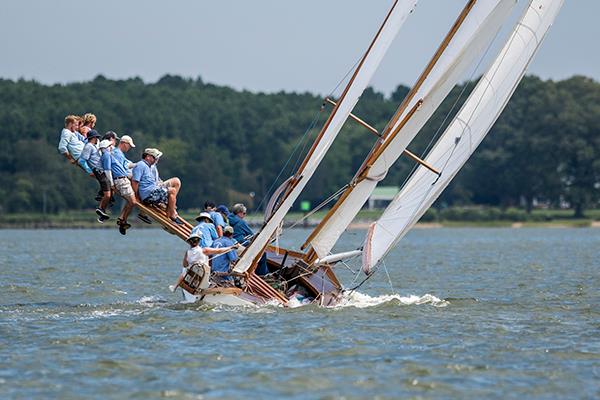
x=216, y=298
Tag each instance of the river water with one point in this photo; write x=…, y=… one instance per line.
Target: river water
x=465, y=313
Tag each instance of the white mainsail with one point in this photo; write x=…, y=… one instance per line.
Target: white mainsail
x=359, y=81
x=474, y=34
x=465, y=132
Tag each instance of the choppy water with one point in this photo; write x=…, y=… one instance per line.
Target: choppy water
x=471, y=313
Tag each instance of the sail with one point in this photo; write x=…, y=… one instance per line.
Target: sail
x=359, y=81
x=465, y=42
x=465, y=132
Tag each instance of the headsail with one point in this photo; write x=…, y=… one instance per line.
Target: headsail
x=359, y=81
x=471, y=34
x=465, y=132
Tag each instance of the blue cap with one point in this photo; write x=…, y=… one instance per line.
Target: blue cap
x=93, y=134
x=223, y=209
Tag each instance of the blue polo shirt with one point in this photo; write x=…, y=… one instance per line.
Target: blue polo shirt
x=217, y=218
x=143, y=174
x=222, y=262
x=241, y=230
x=120, y=164
x=209, y=233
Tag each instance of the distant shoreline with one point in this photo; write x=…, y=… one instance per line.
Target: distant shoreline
x=358, y=225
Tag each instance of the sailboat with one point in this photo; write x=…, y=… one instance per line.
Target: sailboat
x=311, y=271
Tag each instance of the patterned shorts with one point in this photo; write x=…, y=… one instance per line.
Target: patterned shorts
x=123, y=186
x=157, y=196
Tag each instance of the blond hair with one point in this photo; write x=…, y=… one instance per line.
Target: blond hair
x=69, y=119
x=89, y=119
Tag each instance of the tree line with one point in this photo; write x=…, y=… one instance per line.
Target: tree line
x=230, y=146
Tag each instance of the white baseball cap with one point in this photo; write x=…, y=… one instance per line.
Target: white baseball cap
x=104, y=144
x=127, y=139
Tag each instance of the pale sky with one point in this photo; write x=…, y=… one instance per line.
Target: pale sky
x=257, y=45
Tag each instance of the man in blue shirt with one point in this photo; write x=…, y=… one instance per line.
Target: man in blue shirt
x=222, y=262
x=117, y=170
x=217, y=218
x=206, y=227
x=70, y=144
x=150, y=189
x=243, y=234
x=90, y=161
x=241, y=231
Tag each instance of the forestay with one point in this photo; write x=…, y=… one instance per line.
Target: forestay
x=359, y=81
x=474, y=34
x=465, y=132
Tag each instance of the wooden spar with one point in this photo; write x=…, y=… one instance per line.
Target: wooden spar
x=405, y=152
x=357, y=119
x=363, y=172
x=160, y=216
x=298, y=174
x=375, y=153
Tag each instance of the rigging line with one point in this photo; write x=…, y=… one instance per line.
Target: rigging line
x=320, y=206
x=388, y=276
x=298, y=143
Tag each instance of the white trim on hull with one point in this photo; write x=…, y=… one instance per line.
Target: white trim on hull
x=216, y=298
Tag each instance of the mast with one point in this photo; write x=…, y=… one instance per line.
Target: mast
x=466, y=131
x=472, y=32
x=357, y=84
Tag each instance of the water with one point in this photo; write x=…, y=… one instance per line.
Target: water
x=470, y=313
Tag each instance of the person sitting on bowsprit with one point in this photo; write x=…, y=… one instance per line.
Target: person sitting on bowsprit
x=151, y=189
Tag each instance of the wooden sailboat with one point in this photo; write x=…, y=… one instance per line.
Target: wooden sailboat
x=313, y=269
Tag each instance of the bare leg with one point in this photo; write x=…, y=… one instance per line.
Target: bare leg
x=131, y=202
x=172, y=202
x=105, y=200
x=174, y=183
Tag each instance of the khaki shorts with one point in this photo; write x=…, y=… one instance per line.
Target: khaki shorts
x=123, y=186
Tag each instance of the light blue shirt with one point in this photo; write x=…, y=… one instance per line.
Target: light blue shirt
x=90, y=158
x=70, y=143
x=143, y=174
x=217, y=219
x=222, y=262
x=120, y=165
x=208, y=231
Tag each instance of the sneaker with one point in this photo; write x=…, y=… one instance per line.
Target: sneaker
x=123, y=226
x=101, y=213
x=144, y=218
x=100, y=219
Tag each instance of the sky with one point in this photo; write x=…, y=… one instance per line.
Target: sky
x=256, y=45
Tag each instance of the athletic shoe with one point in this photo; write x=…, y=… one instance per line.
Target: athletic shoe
x=144, y=218
x=101, y=213
x=123, y=226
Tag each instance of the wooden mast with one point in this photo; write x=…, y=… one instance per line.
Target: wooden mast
x=298, y=175
x=388, y=134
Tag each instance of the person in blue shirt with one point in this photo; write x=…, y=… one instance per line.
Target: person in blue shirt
x=216, y=217
x=90, y=160
x=241, y=230
x=206, y=227
x=221, y=263
x=242, y=233
x=71, y=143
x=150, y=189
x=117, y=172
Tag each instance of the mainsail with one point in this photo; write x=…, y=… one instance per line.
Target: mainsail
x=465, y=132
x=470, y=35
x=359, y=81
